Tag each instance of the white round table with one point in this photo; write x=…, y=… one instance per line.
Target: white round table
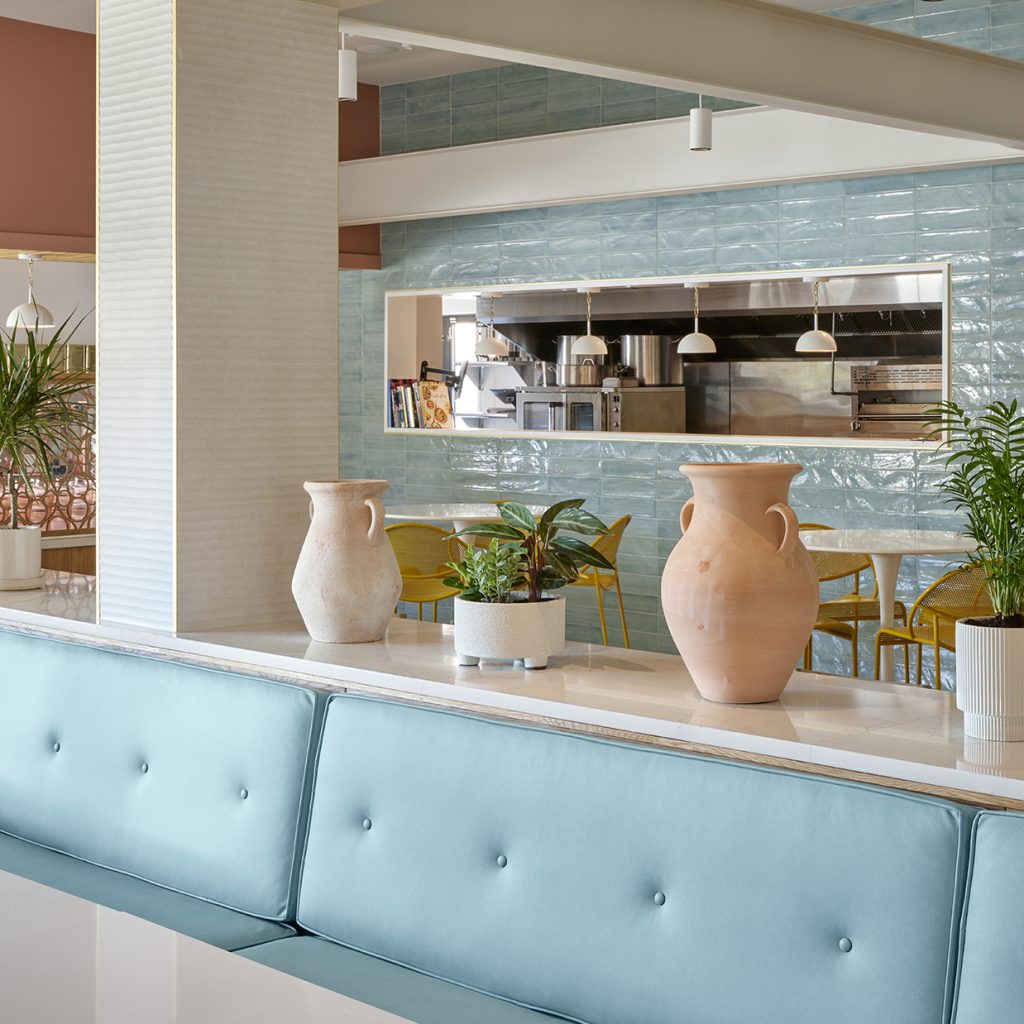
x=886, y=549
x=461, y=515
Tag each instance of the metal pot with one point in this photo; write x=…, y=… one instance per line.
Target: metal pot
x=653, y=358
x=576, y=375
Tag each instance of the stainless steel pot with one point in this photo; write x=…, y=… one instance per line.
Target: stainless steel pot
x=579, y=375
x=652, y=358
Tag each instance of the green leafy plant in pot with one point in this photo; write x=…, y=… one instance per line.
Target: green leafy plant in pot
x=506, y=610
x=985, y=481
x=42, y=416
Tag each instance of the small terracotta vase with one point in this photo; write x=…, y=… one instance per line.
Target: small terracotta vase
x=740, y=591
x=347, y=580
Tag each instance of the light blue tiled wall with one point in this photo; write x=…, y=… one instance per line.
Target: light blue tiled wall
x=973, y=218
x=995, y=27
x=514, y=101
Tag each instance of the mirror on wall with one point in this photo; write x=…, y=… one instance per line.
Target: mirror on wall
x=856, y=354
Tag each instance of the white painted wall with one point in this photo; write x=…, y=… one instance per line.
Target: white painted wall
x=62, y=287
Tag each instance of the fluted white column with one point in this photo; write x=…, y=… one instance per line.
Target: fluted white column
x=217, y=251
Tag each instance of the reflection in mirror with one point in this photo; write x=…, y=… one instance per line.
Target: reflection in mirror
x=504, y=359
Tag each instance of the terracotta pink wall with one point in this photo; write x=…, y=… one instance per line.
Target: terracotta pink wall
x=359, y=138
x=48, y=124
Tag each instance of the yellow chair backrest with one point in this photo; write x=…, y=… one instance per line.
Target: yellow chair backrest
x=836, y=565
x=959, y=594
x=608, y=544
x=422, y=550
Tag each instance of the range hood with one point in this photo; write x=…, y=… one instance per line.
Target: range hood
x=875, y=315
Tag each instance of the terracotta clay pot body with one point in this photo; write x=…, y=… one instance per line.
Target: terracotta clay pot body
x=740, y=591
x=347, y=580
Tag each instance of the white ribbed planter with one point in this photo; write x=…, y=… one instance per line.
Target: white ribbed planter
x=530, y=632
x=990, y=681
x=21, y=558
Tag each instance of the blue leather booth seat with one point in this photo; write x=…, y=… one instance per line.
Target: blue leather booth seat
x=990, y=989
x=614, y=884
x=171, y=792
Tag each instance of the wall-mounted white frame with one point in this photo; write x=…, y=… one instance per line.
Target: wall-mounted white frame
x=758, y=440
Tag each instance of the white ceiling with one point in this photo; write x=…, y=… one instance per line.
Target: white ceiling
x=79, y=15
x=397, y=65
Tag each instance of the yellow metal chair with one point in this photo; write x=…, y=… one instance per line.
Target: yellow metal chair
x=604, y=579
x=841, y=617
x=422, y=552
x=959, y=594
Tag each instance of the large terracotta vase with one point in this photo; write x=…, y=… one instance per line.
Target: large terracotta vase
x=740, y=591
x=347, y=581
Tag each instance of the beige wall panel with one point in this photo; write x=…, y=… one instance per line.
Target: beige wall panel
x=257, y=303
x=135, y=322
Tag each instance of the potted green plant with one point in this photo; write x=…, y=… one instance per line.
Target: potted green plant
x=41, y=417
x=986, y=482
x=506, y=610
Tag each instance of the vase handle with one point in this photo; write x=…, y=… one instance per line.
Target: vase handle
x=376, y=519
x=685, y=515
x=311, y=510
x=791, y=537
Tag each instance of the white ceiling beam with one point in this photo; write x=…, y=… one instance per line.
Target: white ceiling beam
x=740, y=49
x=751, y=148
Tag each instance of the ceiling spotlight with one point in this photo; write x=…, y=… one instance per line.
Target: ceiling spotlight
x=490, y=344
x=816, y=340
x=589, y=344
x=348, y=83
x=695, y=343
x=29, y=316
x=700, y=127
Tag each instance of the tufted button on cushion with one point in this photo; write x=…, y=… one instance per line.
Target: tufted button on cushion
x=502, y=860
x=367, y=824
x=143, y=767
x=845, y=945
x=244, y=794
x=56, y=748
x=659, y=898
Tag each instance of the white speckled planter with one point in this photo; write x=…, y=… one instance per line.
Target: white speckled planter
x=509, y=632
x=21, y=555
x=990, y=681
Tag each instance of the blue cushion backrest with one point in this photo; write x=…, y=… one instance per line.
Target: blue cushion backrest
x=990, y=989
x=763, y=873
x=77, y=727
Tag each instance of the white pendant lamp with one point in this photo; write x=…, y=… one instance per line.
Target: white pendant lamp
x=700, y=127
x=589, y=344
x=695, y=343
x=816, y=340
x=348, y=67
x=30, y=316
x=489, y=344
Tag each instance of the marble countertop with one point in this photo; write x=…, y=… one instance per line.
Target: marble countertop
x=833, y=723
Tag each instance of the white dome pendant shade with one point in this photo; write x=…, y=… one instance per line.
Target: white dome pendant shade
x=589, y=344
x=30, y=316
x=816, y=340
x=489, y=344
x=695, y=343
x=348, y=70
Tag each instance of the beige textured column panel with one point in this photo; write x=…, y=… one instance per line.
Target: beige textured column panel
x=257, y=320
x=135, y=321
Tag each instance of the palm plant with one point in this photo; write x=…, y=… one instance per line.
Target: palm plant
x=986, y=482
x=41, y=414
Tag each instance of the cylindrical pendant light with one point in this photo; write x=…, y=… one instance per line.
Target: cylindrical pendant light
x=489, y=344
x=816, y=340
x=695, y=343
x=30, y=316
x=589, y=344
x=700, y=127
x=348, y=67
